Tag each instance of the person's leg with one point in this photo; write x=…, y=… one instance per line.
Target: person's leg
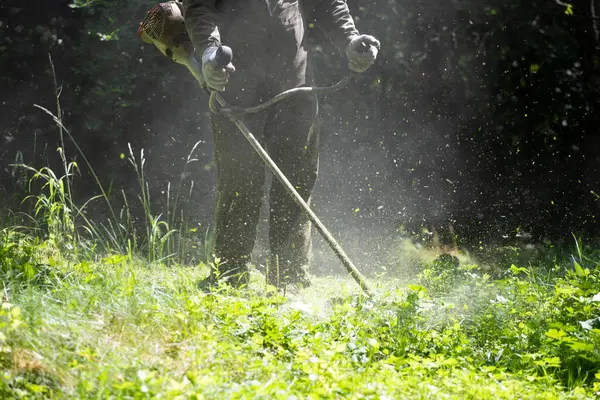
x=240, y=176
x=240, y=171
x=292, y=136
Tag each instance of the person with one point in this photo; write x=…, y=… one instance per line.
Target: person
x=270, y=55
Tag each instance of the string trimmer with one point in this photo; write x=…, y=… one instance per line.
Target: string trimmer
x=164, y=27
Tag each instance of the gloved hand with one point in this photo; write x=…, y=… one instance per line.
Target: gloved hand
x=215, y=76
x=362, y=52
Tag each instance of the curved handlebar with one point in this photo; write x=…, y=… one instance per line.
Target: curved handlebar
x=280, y=97
x=217, y=103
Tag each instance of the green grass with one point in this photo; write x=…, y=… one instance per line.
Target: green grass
x=120, y=327
x=114, y=311
x=111, y=310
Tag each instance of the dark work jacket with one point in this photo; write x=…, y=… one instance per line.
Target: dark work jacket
x=267, y=38
x=205, y=18
x=266, y=24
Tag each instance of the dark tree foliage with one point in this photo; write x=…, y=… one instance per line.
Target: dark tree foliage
x=27, y=35
x=482, y=114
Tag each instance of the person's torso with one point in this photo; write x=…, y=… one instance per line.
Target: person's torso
x=261, y=23
x=267, y=38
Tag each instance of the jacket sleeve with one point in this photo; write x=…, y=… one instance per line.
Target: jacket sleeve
x=334, y=19
x=201, y=23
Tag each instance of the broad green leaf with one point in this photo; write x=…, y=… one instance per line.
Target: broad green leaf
x=578, y=270
x=581, y=346
x=556, y=334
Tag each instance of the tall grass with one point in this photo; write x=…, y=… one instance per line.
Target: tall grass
x=161, y=236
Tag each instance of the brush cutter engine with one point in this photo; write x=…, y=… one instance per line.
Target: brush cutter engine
x=164, y=27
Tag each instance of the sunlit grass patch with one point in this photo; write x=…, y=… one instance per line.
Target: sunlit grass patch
x=126, y=328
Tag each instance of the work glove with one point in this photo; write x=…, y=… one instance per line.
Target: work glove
x=215, y=76
x=362, y=52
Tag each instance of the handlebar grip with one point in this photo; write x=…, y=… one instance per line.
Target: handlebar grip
x=223, y=56
x=364, y=47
